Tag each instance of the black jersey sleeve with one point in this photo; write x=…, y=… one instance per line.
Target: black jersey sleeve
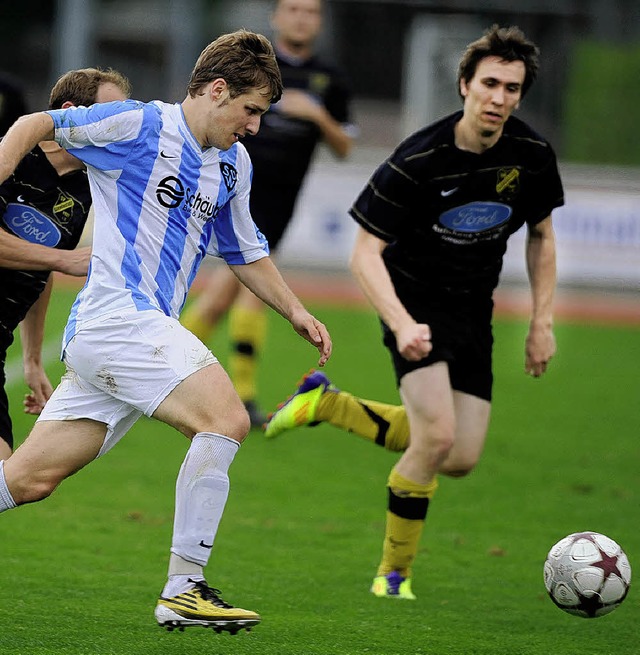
x=546, y=191
x=386, y=203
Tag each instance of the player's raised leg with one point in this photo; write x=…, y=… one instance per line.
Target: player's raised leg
x=318, y=400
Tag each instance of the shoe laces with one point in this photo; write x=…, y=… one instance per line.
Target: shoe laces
x=210, y=594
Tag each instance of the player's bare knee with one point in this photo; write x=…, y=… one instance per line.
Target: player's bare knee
x=235, y=425
x=433, y=450
x=243, y=426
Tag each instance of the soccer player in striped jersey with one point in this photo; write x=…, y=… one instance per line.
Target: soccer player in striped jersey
x=314, y=109
x=434, y=222
x=170, y=183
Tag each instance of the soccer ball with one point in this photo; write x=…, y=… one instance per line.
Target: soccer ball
x=587, y=574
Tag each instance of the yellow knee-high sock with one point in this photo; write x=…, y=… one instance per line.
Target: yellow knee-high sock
x=195, y=323
x=247, y=330
x=406, y=514
x=386, y=425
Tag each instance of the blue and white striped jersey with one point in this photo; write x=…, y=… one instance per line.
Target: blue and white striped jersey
x=161, y=203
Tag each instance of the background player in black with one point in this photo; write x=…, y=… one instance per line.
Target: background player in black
x=314, y=107
x=44, y=206
x=435, y=219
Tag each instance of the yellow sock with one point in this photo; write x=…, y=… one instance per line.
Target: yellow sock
x=247, y=330
x=406, y=514
x=386, y=425
x=195, y=323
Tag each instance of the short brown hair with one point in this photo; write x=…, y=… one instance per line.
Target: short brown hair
x=507, y=43
x=80, y=87
x=245, y=60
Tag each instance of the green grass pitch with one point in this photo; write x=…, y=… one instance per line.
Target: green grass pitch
x=302, y=532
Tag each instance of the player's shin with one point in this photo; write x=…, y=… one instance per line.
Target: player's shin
x=406, y=514
x=384, y=424
x=247, y=329
x=202, y=489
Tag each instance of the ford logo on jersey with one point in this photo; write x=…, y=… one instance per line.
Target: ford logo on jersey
x=31, y=225
x=476, y=216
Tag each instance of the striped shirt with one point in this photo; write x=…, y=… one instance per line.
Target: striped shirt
x=161, y=203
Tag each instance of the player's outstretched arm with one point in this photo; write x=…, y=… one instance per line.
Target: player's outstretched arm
x=22, y=137
x=18, y=254
x=264, y=279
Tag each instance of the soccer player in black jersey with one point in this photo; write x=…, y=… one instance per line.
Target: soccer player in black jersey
x=434, y=221
x=44, y=206
x=314, y=107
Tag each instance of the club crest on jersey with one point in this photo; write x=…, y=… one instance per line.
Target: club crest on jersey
x=63, y=209
x=318, y=83
x=229, y=175
x=508, y=183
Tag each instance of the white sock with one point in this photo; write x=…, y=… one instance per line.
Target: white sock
x=178, y=584
x=201, y=494
x=6, y=499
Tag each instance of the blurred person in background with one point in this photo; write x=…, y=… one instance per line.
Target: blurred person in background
x=434, y=222
x=44, y=206
x=12, y=102
x=170, y=184
x=314, y=108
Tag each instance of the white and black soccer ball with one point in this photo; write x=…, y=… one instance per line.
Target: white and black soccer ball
x=587, y=574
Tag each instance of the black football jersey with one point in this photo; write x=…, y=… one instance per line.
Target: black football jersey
x=447, y=213
x=40, y=206
x=284, y=146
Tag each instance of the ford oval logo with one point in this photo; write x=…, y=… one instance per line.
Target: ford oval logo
x=31, y=225
x=476, y=216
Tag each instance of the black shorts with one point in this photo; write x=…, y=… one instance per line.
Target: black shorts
x=6, y=426
x=461, y=336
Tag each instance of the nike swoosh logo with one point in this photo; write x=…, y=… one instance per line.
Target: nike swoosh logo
x=447, y=192
x=20, y=198
x=206, y=545
x=164, y=156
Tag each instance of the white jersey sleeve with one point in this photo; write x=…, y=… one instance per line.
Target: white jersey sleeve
x=235, y=239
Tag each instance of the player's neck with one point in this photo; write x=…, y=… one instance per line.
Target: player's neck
x=468, y=137
x=59, y=158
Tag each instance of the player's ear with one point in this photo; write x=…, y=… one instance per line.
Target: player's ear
x=464, y=89
x=67, y=104
x=218, y=88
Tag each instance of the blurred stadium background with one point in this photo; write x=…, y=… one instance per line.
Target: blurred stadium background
x=401, y=57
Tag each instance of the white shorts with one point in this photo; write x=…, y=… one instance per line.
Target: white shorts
x=124, y=367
